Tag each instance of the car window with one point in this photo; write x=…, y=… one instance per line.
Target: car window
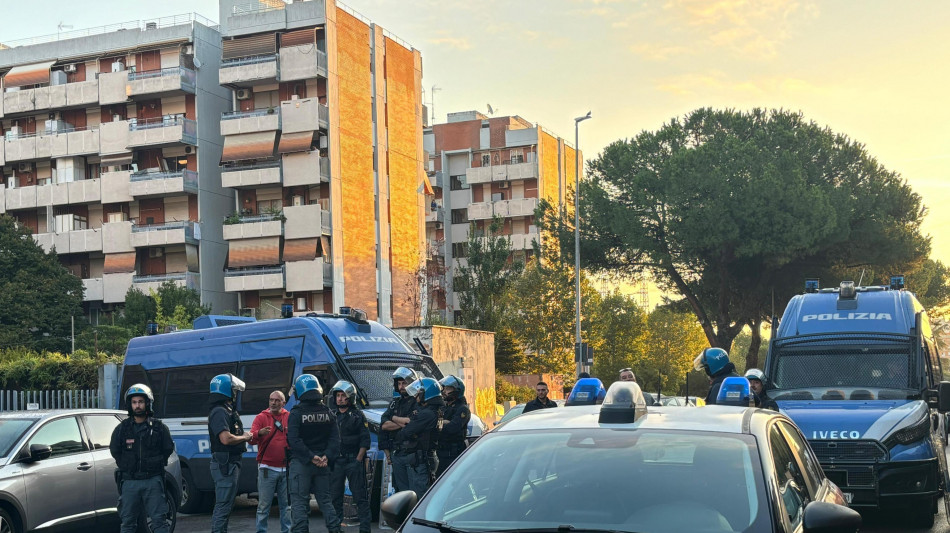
x=11, y=430
x=62, y=435
x=100, y=428
x=788, y=476
x=812, y=470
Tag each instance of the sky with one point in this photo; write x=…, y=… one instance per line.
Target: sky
x=873, y=70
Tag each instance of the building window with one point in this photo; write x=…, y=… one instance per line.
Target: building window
x=486, y=160
x=516, y=155
x=457, y=183
x=269, y=206
x=459, y=249
x=457, y=317
x=460, y=216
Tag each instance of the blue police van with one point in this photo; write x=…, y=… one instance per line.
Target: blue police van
x=858, y=371
x=267, y=356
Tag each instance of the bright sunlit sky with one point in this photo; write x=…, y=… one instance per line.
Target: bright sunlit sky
x=874, y=70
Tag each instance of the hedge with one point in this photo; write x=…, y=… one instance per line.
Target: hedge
x=22, y=369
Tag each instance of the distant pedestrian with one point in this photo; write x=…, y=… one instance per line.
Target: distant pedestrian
x=627, y=374
x=270, y=434
x=757, y=383
x=228, y=444
x=141, y=446
x=456, y=417
x=350, y=466
x=541, y=401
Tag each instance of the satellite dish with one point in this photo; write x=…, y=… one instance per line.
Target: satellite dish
x=490, y=110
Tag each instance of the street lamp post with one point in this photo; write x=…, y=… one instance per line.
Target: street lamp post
x=577, y=241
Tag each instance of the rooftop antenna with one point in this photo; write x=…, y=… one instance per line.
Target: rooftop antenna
x=432, y=99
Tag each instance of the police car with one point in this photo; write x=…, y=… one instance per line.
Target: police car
x=623, y=467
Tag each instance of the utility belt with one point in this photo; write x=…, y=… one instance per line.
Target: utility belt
x=428, y=458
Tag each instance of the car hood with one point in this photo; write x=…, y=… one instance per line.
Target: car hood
x=854, y=419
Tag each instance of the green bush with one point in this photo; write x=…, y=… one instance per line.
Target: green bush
x=22, y=369
x=505, y=391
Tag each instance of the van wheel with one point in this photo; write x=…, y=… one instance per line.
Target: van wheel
x=922, y=513
x=7, y=525
x=191, y=497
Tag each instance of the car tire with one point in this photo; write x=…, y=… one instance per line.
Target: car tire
x=191, y=498
x=7, y=525
x=922, y=512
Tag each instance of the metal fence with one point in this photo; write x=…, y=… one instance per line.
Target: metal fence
x=11, y=400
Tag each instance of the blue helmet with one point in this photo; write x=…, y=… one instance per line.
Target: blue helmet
x=227, y=385
x=428, y=387
x=711, y=360
x=455, y=383
x=587, y=391
x=735, y=391
x=307, y=384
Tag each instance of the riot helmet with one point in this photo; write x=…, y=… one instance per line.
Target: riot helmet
x=139, y=389
x=307, y=388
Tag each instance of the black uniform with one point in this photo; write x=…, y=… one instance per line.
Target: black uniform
x=312, y=432
x=354, y=436
x=764, y=402
x=536, y=404
x=455, y=419
x=725, y=372
x=401, y=406
x=141, y=451
x=225, y=462
x=418, y=442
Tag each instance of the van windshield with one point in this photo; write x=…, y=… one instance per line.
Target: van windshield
x=373, y=371
x=843, y=372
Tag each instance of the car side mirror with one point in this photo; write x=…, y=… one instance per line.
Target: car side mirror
x=943, y=396
x=824, y=517
x=397, y=507
x=38, y=452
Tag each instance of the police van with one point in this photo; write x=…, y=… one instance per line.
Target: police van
x=267, y=356
x=858, y=371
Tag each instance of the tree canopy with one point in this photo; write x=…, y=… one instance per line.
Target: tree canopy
x=483, y=279
x=38, y=295
x=734, y=209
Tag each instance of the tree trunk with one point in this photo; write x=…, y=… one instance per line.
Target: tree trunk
x=752, y=356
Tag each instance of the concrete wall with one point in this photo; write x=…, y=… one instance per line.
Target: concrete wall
x=465, y=353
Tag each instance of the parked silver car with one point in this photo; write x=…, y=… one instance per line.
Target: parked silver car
x=56, y=470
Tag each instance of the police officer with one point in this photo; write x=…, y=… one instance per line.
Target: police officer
x=350, y=465
x=455, y=426
x=393, y=420
x=418, y=441
x=314, y=440
x=757, y=383
x=228, y=444
x=715, y=362
x=141, y=446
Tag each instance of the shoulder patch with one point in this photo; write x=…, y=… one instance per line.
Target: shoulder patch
x=464, y=414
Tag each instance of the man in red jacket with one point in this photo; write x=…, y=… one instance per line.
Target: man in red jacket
x=269, y=431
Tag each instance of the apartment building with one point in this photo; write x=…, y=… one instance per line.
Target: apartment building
x=481, y=167
x=323, y=152
x=111, y=152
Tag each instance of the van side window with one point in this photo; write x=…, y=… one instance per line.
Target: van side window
x=261, y=379
x=131, y=375
x=156, y=380
x=324, y=374
x=187, y=392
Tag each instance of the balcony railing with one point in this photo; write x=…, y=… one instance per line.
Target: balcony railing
x=161, y=278
x=186, y=73
x=248, y=219
x=188, y=225
x=231, y=167
x=231, y=115
x=190, y=177
x=166, y=121
x=251, y=271
x=252, y=60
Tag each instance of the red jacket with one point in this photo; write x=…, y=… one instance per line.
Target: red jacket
x=274, y=443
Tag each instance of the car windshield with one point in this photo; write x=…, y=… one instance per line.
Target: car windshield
x=11, y=429
x=605, y=479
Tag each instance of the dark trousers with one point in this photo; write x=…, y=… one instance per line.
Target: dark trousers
x=349, y=469
x=306, y=479
x=445, y=459
x=143, y=495
x=225, y=489
x=401, y=469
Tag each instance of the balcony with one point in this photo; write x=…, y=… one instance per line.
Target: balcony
x=170, y=129
x=166, y=81
x=305, y=168
x=308, y=275
x=254, y=279
x=25, y=101
x=182, y=232
x=115, y=286
x=306, y=221
x=67, y=143
x=304, y=114
x=520, y=207
x=76, y=94
x=302, y=62
x=516, y=171
x=253, y=121
x=251, y=176
x=19, y=147
x=115, y=187
x=249, y=71
x=21, y=198
x=114, y=137
x=188, y=280
x=92, y=289
x=71, y=242
x=253, y=226
x=117, y=238
x=154, y=183
x=435, y=215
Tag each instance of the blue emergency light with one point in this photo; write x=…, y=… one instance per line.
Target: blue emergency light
x=897, y=283
x=736, y=391
x=587, y=391
x=811, y=285
x=286, y=310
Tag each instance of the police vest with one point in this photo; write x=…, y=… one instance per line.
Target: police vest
x=449, y=439
x=141, y=452
x=316, y=422
x=428, y=439
x=351, y=423
x=235, y=426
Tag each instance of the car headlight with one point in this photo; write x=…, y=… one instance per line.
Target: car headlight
x=909, y=434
